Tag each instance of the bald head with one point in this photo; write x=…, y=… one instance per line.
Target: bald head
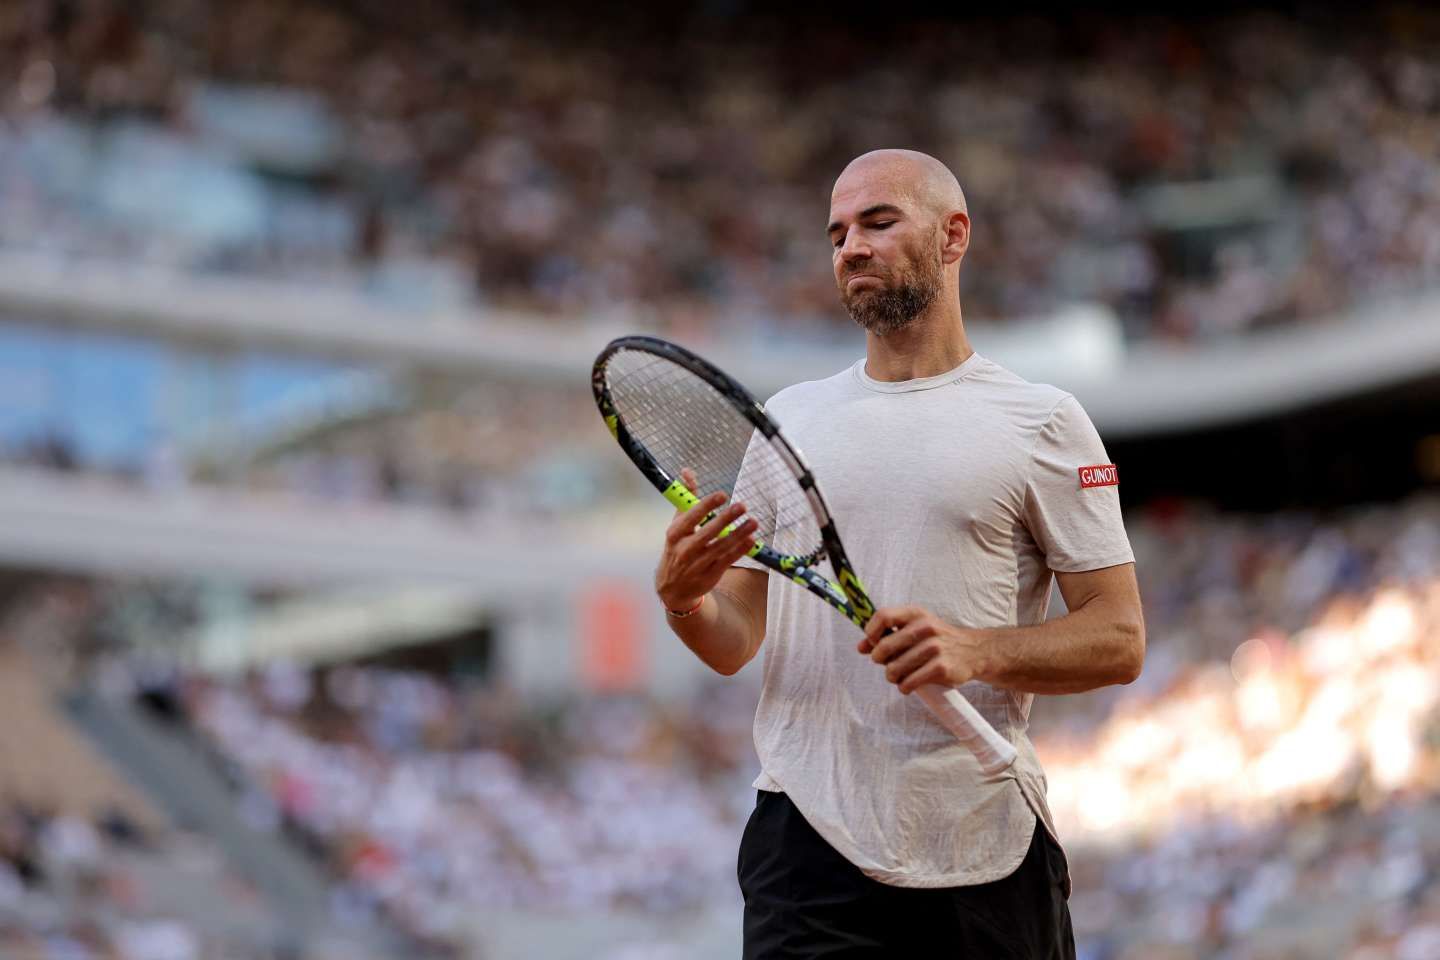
x=925, y=180
x=898, y=230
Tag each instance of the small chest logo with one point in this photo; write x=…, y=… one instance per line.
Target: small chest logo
x=1103, y=475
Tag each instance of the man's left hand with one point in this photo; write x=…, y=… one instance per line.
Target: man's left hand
x=922, y=649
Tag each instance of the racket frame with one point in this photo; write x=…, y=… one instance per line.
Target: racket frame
x=849, y=595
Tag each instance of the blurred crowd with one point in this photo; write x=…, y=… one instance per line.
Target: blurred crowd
x=1273, y=796
x=76, y=889
x=431, y=798
x=1270, y=787
x=1211, y=579
x=1198, y=177
x=1286, y=801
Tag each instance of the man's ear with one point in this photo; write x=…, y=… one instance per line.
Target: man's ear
x=957, y=237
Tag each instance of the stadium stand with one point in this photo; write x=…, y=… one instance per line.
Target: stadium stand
x=1198, y=177
x=1280, y=641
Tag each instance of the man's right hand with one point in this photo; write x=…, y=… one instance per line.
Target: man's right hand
x=694, y=560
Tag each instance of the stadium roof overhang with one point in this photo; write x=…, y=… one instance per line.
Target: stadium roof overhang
x=1130, y=391
x=87, y=525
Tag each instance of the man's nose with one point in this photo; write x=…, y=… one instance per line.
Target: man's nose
x=854, y=248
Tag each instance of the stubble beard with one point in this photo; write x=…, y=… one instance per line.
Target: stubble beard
x=893, y=308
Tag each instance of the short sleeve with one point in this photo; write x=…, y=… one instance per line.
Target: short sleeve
x=1072, y=495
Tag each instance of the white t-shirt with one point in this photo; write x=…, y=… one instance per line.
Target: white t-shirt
x=959, y=493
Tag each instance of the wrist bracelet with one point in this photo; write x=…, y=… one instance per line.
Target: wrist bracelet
x=682, y=614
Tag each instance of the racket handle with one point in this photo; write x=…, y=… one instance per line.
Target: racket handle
x=992, y=750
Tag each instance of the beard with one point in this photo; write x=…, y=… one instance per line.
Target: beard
x=896, y=305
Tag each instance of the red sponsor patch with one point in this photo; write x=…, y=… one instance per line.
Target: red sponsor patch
x=1103, y=475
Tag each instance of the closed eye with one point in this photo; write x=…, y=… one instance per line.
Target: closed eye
x=839, y=238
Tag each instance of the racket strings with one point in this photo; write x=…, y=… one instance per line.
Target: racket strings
x=683, y=422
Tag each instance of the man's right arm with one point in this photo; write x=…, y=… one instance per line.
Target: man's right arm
x=695, y=572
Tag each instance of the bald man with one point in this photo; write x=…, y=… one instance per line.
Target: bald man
x=964, y=493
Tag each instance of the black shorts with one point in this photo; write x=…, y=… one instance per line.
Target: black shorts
x=804, y=900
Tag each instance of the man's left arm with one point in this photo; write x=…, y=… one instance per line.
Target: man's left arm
x=1101, y=641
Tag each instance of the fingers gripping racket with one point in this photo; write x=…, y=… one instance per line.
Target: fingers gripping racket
x=672, y=411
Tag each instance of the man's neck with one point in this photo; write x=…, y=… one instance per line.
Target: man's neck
x=928, y=347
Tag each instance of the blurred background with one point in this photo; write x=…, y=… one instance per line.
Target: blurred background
x=325, y=619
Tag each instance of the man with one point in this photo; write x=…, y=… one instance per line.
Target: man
x=961, y=490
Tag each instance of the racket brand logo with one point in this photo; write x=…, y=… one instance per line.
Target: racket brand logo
x=1102, y=475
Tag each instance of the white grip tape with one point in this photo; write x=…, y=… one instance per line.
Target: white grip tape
x=992, y=750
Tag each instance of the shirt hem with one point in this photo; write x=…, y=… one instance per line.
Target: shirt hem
x=912, y=881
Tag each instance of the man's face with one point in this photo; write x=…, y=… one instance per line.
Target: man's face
x=886, y=258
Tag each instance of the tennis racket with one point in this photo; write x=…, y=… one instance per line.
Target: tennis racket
x=671, y=411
